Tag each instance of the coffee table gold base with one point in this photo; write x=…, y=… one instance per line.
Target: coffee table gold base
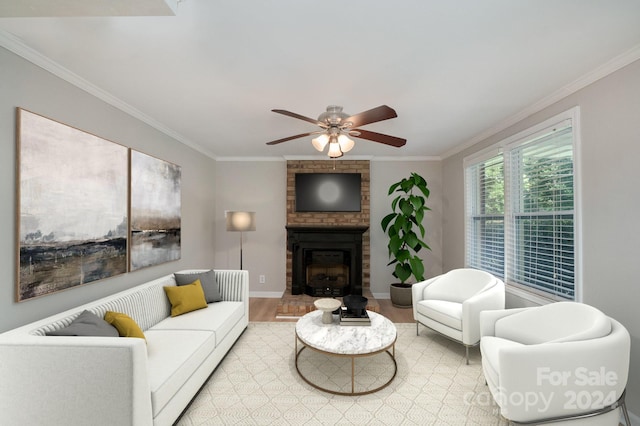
x=353, y=368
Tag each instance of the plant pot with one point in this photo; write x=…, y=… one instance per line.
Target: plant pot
x=401, y=295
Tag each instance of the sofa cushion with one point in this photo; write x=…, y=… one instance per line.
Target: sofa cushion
x=444, y=312
x=490, y=348
x=186, y=298
x=86, y=324
x=125, y=325
x=459, y=285
x=555, y=322
x=172, y=357
x=208, y=281
x=219, y=317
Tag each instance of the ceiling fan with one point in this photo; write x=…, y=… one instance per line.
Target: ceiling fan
x=337, y=126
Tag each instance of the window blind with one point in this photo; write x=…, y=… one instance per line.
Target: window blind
x=540, y=230
x=485, y=215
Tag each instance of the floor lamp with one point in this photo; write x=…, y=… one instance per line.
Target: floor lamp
x=241, y=222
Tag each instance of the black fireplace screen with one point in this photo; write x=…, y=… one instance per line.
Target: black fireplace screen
x=327, y=272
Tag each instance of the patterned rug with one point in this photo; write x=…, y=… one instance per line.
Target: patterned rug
x=257, y=384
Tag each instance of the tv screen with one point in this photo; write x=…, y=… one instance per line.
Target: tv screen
x=328, y=192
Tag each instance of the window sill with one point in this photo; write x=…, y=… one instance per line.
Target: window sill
x=531, y=297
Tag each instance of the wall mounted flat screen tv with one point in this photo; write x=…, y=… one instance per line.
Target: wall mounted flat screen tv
x=328, y=192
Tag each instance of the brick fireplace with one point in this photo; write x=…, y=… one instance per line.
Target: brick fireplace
x=343, y=225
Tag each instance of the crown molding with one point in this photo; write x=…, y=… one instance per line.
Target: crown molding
x=264, y=159
x=17, y=46
x=413, y=158
x=591, y=77
x=346, y=157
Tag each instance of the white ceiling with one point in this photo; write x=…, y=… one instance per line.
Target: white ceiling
x=453, y=70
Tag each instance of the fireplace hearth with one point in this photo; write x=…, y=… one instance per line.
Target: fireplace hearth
x=326, y=260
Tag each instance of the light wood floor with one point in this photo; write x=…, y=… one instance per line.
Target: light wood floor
x=264, y=310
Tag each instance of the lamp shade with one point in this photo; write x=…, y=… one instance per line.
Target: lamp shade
x=320, y=142
x=241, y=221
x=345, y=143
x=334, y=149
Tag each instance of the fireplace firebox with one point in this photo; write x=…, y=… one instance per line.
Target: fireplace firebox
x=326, y=261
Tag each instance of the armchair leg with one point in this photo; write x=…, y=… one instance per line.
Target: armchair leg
x=417, y=332
x=627, y=421
x=466, y=348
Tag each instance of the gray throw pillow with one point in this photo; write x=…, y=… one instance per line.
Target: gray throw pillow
x=208, y=281
x=87, y=324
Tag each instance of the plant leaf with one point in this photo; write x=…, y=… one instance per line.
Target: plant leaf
x=393, y=187
x=394, y=203
x=417, y=267
x=386, y=220
x=406, y=207
x=417, y=202
x=411, y=239
x=402, y=272
x=403, y=255
x=395, y=244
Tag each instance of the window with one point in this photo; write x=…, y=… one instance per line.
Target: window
x=520, y=210
x=485, y=224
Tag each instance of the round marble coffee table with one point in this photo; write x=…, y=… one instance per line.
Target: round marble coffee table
x=347, y=341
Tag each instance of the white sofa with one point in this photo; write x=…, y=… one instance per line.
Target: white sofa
x=72, y=380
x=558, y=361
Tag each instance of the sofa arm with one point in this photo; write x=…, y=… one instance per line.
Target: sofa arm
x=417, y=293
x=490, y=299
x=559, y=379
x=108, y=376
x=234, y=286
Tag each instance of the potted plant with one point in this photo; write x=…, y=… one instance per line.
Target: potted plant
x=406, y=233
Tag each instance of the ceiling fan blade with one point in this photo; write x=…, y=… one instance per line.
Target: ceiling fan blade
x=300, y=117
x=290, y=138
x=379, y=137
x=380, y=113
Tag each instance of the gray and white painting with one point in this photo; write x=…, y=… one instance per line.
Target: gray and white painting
x=72, y=207
x=155, y=211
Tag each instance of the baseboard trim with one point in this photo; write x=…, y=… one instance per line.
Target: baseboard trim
x=266, y=294
x=381, y=295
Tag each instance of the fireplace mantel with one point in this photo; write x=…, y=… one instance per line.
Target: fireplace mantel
x=301, y=239
x=298, y=233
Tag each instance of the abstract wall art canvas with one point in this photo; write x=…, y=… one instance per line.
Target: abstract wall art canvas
x=72, y=207
x=155, y=211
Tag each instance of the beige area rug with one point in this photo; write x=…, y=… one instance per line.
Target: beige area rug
x=257, y=384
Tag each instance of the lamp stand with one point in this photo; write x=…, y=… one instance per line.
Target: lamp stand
x=241, y=250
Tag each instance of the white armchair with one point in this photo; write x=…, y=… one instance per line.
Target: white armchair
x=451, y=303
x=565, y=361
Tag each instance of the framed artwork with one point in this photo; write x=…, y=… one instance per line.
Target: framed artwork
x=72, y=206
x=155, y=211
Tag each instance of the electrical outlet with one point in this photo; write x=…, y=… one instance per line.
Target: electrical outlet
x=262, y=279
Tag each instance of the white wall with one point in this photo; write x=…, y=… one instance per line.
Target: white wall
x=25, y=85
x=261, y=187
x=610, y=172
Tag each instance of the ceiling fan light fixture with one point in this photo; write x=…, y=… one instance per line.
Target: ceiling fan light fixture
x=320, y=142
x=338, y=127
x=334, y=150
x=345, y=143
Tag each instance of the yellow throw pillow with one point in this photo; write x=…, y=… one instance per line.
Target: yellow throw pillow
x=186, y=298
x=125, y=325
